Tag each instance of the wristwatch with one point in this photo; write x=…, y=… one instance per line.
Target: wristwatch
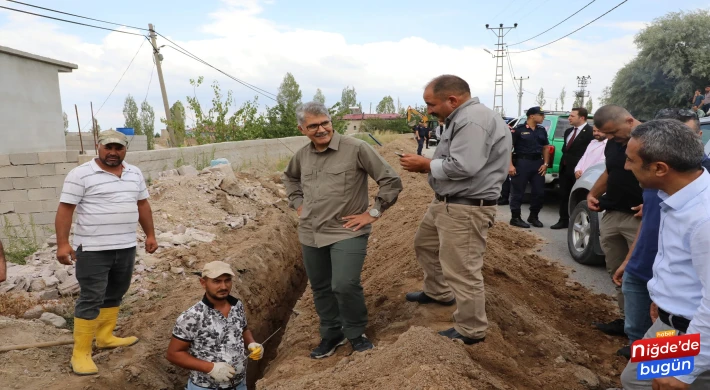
x=375, y=213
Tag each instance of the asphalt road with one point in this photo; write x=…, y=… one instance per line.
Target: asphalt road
x=595, y=278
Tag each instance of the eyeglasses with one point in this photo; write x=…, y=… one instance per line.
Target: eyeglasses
x=315, y=126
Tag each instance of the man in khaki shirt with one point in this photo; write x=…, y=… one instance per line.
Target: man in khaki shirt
x=466, y=173
x=326, y=182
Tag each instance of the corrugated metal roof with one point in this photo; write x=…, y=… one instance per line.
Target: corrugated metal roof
x=63, y=66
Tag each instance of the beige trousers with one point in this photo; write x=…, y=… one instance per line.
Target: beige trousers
x=617, y=232
x=450, y=244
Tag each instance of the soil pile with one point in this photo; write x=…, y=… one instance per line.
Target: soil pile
x=540, y=335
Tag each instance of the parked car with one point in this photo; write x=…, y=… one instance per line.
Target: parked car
x=556, y=122
x=583, y=239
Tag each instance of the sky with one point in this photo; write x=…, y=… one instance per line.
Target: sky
x=389, y=47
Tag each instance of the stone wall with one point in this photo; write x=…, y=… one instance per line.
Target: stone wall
x=30, y=186
x=137, y=142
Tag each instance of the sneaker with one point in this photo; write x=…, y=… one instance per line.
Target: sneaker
x=361, y=344
x=327, y=347
x=613, y=328
x=533, y=220
x=625, y=352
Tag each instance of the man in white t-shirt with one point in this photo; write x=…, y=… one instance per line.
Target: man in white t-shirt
x=110, y=197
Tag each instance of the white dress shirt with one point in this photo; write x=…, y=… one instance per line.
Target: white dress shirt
x=592, y=156
x=579, y=129
x=681, y=270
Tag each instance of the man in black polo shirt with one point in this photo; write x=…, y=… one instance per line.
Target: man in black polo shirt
x=616, y=192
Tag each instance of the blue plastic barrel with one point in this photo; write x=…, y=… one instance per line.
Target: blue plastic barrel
x=126, y=130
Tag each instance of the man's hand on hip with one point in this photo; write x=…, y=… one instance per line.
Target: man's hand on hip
x=358, y=221
x=669, y=383
x=151, y=244
x=414, y=163
x=66, y=254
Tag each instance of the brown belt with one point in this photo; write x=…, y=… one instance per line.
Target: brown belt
x=465, y=201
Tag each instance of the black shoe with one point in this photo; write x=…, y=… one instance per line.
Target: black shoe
x=421, y=298
x=453, y=334
x=518, y=222
x=361, y=344
x=561, y=224
x=625, y=352
x=327, y=347
x=613, y=328
x=534, y=221
x=503, y=202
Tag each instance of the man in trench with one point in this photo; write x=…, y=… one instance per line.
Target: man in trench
x=211, y=338
x=326, y=182
x=110, y=197
x=466, y=173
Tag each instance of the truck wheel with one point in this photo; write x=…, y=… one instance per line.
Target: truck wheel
x=583, y=235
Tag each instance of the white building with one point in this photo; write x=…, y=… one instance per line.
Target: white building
x=30, y=102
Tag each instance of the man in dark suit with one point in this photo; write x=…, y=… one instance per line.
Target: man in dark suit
x=577, y=138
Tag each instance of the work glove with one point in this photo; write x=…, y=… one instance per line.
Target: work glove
x=257, y=351
x=222, y=372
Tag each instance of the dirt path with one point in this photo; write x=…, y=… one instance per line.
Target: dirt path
x=539, y=336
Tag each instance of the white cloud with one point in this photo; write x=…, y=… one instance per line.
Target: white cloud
x=260, y=52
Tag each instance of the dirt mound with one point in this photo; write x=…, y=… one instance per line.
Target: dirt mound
x=539, y=338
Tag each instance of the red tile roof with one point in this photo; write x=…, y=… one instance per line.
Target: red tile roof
x=350, y=117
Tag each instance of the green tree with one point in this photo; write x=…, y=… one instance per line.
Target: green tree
x=577, y=99
x=589, y=105
x=540, y=99
x=177, y=116
x=605, y=97
x=319, y=97
x=147, y=119
x=66, y=122
x=563, y=95
x=282, y=117
x=131, y=116
x=673, y=59
x=348, y=98
x=336, y=116
x=386, y=105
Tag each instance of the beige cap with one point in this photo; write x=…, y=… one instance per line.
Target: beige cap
x=215, y=269
x=112, y=137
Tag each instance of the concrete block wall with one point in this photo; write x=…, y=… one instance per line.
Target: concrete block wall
x=136, y=142
x=240, y=154
x=30, y=186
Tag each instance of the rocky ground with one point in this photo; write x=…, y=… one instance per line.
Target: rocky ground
x=540, y=334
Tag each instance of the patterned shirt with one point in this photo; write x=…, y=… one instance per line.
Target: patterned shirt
x=214, y=338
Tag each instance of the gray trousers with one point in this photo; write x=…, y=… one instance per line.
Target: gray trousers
x=104, y=277
x=628, y=377
x=334, y=272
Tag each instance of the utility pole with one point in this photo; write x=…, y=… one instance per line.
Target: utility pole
x=500, y=32
x=158, y=59
x=520, y=94
x=582, y=83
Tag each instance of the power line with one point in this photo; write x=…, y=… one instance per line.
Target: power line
x=149, y=81
x=77, y=16
x=533, y=9
x=559, y=39
x=119, y=80
x=70, y=21
x=564, y=20
x=183, y=51
x=504, y=9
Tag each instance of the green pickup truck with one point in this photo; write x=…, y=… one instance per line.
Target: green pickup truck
x=556, y=122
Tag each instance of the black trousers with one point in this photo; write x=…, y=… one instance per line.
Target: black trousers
x=527, y=172
x=505, y=190
x=567, y=181
x=104, y=277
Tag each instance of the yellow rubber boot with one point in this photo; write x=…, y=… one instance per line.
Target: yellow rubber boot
x=104, y=332
x=81, y=361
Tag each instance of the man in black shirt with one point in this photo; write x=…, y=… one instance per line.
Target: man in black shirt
x=421, y=133
x=617, y=193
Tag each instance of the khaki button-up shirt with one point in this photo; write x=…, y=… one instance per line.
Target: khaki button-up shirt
x=332, y=184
